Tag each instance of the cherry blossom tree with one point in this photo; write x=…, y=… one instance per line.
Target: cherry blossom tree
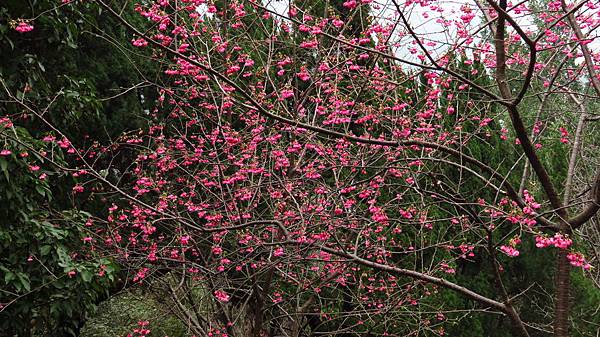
x=330, y=167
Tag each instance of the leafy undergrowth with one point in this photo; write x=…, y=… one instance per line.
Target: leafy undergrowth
x=121, y=314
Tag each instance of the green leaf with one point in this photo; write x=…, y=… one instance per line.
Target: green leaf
x=45, y=249
x=4, y=168
x=86, y=275
x=40, y=190
x=24, y=281
x=9, y=276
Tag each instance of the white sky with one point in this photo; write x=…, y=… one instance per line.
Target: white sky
x=423, y=19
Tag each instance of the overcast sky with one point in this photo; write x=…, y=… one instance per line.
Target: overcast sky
x=423, y=19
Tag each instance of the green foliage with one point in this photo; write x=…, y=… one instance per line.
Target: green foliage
x=119, y=315
x=79, y=77
x=82, y=73
x=586, y=319
x=46, y=285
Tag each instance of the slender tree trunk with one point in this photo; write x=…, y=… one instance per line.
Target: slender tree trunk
x=563, y=285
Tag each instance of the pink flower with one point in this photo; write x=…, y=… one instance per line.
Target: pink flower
x=563, y=135
x=561, y=241
x=5, y=153
x=337, y=23
x=78, y=188
x=23, y=27
x=184, y=239
x=577, y=260
x=447, y=268
x=350, y=4
x=309, y=44
x=183, y=48
x=303, y=75
x=278, y=251
x=139, y=42
x=5, y=122
x=558, y=241
x=221, y=296
x=141, y=274
x=277, y=297
x=543, y=242
x=287, y=93
x=64, y=143
x=233, y=69
x=510, y=251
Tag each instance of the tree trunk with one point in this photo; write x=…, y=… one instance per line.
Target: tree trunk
x=563, y=285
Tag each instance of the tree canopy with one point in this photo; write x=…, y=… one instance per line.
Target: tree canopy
x=299, y=168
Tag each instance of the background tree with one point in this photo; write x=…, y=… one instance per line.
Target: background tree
x=84, y=83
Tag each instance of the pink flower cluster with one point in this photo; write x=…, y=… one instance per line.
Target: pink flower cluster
x=510, y=251
x=577, y=260
x=23, y=27
x=142, y=331
x=531, y=204
x=564, y=134
x=221, y=296
x=286, y=93
x=184, y=240
x=278, y=251
x=558, y=241
x=141, y=274
x=139, y=42
x=446, y=268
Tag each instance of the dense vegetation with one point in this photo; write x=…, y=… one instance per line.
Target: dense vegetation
x=225, y=168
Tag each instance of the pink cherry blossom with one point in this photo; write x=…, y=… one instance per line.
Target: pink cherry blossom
x=278, y=251
x=221, y=296
x=287, y=93
x=141, y=42
x=23, y=27
x=578, y=260
x=510, y=251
